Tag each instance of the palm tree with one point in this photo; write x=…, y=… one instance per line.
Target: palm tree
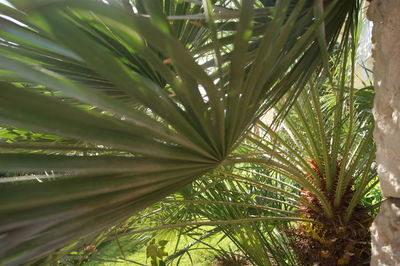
x=120, y=106
x=282, y=177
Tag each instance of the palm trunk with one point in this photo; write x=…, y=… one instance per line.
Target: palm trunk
x=386, y=36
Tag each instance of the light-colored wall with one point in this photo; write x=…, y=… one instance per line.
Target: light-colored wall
x=385, y=15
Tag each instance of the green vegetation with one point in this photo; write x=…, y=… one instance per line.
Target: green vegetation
x=137, y=132
x=182, y=250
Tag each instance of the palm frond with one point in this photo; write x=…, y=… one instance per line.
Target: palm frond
x=101, y=76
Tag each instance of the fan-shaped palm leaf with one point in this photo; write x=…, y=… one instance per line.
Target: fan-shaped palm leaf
x=141, y=117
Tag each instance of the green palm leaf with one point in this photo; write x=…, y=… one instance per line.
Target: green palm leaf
x=100, y=76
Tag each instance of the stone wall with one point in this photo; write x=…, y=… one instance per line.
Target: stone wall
x=386, y=40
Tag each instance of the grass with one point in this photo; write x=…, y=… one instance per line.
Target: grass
x=201, y=254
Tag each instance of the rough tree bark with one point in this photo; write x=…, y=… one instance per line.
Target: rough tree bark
x=386, y=39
